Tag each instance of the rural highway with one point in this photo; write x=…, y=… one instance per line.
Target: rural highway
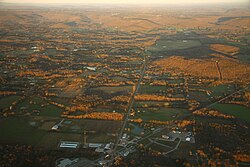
x=130, y=105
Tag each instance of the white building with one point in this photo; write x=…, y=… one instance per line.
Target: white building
x=91, y=68
x=66, y=144
x=55, y=127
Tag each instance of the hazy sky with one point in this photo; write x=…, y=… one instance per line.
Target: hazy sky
x=124, y=1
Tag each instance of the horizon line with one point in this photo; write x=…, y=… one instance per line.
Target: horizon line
x=130, y=3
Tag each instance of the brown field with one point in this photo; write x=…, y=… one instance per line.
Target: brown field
x=70, y=87
x=225, y=49
x=149, y=97
x=236, y=22
x=231, y=70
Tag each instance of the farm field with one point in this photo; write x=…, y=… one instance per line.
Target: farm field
x=7, y=101
x=167, y=45
x=148, y=89
x=160, y=114
x=238, y=111
x=35, y=103
x=114, y=89
x=37, y=132
x=10, y=128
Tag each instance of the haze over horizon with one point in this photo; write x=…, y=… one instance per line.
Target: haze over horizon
x=127, y=1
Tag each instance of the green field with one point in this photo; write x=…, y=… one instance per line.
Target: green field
x=37, y=103
x=100, y=138
x=18, y=130
x=167, y=45
x=221, y=90
x=7, y=101
x=114, y=89
x=199, y=96
x=148, y=89
x=161, y=114
x=51, y=111
x=21, y=130
x=244, y=58
x=52, y=140
x=235, y=110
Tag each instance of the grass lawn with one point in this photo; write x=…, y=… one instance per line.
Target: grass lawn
x=235, y=110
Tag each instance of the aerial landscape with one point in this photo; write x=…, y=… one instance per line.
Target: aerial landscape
x=85, y=85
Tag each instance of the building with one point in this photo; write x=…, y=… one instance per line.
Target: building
x=55, y=127
x=94, y=145
x=188, y=139
x=66, y=162
x=67, y=144
x=124, y=136
x=100, y=149
x=165, y=137
x=107, y=147
x=91, y=68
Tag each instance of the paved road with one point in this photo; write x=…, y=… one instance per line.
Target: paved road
x=164, y=145
x=130, y=105
x=176, y=147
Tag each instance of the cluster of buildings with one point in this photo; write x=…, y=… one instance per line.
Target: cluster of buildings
x=184, y=136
